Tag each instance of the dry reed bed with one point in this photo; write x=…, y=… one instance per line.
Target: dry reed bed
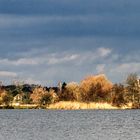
x=68, y=105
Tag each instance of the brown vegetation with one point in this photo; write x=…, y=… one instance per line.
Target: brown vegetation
x=95, y=88
x=94, y=92
x=68, y=105
x=41, y=96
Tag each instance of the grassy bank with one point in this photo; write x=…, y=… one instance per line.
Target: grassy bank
x=68, y=105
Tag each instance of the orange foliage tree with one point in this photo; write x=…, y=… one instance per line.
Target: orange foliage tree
x=42, y=97
x=38, y=94
x=5, y=97
x=95, y=88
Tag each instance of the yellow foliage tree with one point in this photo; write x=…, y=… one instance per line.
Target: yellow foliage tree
x=37, y=94
x=42, y=97
x=73, y=91
x=95, y=88
x=5, y=98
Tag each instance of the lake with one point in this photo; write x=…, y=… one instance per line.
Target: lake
x=69, y=125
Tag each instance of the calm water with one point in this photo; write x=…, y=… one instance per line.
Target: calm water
x=69, y=125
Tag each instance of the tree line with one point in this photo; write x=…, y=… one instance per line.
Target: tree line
x=92, y=89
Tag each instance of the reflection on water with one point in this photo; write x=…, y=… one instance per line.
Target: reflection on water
x=70, y=125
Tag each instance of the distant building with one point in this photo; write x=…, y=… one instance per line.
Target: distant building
x=60, y=86
x=138, y=82
x=18, y=98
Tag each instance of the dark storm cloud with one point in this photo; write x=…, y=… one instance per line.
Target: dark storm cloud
x=66, y=7
x=76, y=37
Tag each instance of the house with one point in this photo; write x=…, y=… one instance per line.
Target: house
x=18, y=98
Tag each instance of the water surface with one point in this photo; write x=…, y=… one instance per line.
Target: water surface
x=70, y=125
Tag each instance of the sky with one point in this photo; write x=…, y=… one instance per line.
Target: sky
x=48, y=41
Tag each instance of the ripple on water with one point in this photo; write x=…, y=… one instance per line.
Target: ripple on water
x=67, y=125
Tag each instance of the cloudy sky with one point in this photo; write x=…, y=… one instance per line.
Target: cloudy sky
x=47, y=41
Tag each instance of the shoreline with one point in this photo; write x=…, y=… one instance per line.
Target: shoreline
x=69, y=105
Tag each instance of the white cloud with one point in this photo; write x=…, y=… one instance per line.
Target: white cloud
x=77, y=58
x=103, y=52
x=62, y=59
x=69, y=66
x=24, y=61
x=126, y=68
x=94, y=55
x=59, y=58
x=7, y=74
x=49, y=59
x=20, y=61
